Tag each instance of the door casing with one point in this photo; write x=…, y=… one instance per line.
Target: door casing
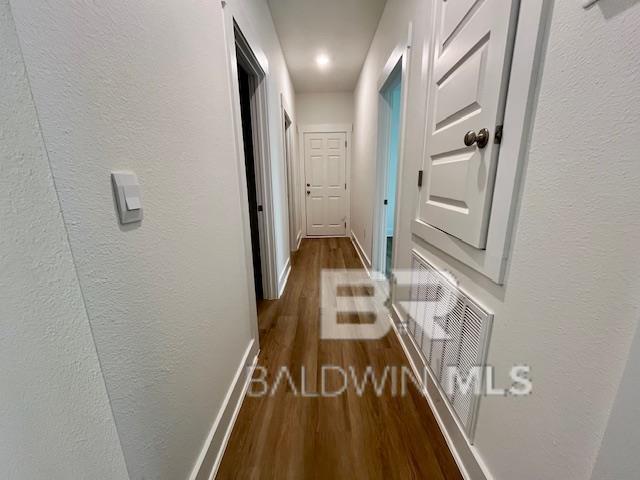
x=397, y=64
x=241, y=51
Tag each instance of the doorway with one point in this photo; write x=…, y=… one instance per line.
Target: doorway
x=251, y=124
x=244, y=88
x=389, y=133
x=390, y=120
x=394, y=96
x=292, y=184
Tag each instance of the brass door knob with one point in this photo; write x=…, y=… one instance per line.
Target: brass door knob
x=481, y=138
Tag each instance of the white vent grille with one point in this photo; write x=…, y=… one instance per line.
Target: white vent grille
x=437, y=307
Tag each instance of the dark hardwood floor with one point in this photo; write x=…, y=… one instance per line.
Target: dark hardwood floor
x=288, y=436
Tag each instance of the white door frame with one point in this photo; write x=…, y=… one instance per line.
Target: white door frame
x=347, y=129
x=240, y=50
x=399, y=58
x=290, y=168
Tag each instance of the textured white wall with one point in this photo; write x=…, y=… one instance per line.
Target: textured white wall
x=618, y=456
x=54, y=411
x=144, y=86
x=320, y=108
x=254, y=19
x=570, y=303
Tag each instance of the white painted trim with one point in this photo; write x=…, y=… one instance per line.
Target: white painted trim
x=401, y=54
x=212, y=452
x=326, y=236
x=291, y=184
x=491, y=262
x=250, y=53
x=299, y=241
x=467, y=458
x=234, y=99
x=360, y=251
x=284, y=277
x=347, y=129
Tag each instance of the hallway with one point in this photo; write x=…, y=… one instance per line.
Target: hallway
x=348, y=436
x=176, y=177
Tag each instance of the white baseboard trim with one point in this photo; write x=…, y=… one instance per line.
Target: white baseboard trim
x=471, y=465
x=327, y=236
x=360, y=251
x=284, y=277
x=210, y=457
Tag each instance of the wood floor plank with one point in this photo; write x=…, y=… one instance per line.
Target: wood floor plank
x=369, y=436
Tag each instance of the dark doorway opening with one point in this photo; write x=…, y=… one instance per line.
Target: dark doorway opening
x=244, y=82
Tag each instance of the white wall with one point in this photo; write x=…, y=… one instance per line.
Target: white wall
x=145, y=86
x=323, y=108
x=392, y=31
x=618, y=456
x=254, y=19
x=569, y=306
x=54, y=410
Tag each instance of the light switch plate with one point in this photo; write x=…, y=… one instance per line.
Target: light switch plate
x=128, y=196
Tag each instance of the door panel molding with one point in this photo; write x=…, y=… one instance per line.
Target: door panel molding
x=467, y=89
x=531, y=36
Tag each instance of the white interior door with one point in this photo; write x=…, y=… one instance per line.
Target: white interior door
x=325, y=172
x=473, y=48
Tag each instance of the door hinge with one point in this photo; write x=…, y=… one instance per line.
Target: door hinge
x=419, y=178
x=259, y=208
x=345, y=186
x=498, y=138
x=345, y=144
x=386, y=202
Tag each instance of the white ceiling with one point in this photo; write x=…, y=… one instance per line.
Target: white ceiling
x=342, y=29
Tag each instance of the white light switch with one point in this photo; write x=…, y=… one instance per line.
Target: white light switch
x=127, y=191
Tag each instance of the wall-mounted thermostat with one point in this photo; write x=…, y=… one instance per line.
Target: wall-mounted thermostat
x=127, y=192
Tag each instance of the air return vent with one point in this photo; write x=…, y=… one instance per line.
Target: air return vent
x=452, y=332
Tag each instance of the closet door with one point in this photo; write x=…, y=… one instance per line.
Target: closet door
x=474, y=44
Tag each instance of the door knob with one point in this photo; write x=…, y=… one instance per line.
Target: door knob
x=308, y=192
x=308, y=184
x=481, y=138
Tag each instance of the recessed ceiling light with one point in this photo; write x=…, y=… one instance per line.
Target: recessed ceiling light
x=322, y=60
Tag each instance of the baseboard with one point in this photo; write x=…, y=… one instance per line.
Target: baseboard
x=327, y=236
x=471, y=466
x=360, y=251
x=211, y=455
x=284, y=277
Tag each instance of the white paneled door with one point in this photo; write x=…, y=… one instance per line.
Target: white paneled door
x=473, y=48
x=325, y=189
